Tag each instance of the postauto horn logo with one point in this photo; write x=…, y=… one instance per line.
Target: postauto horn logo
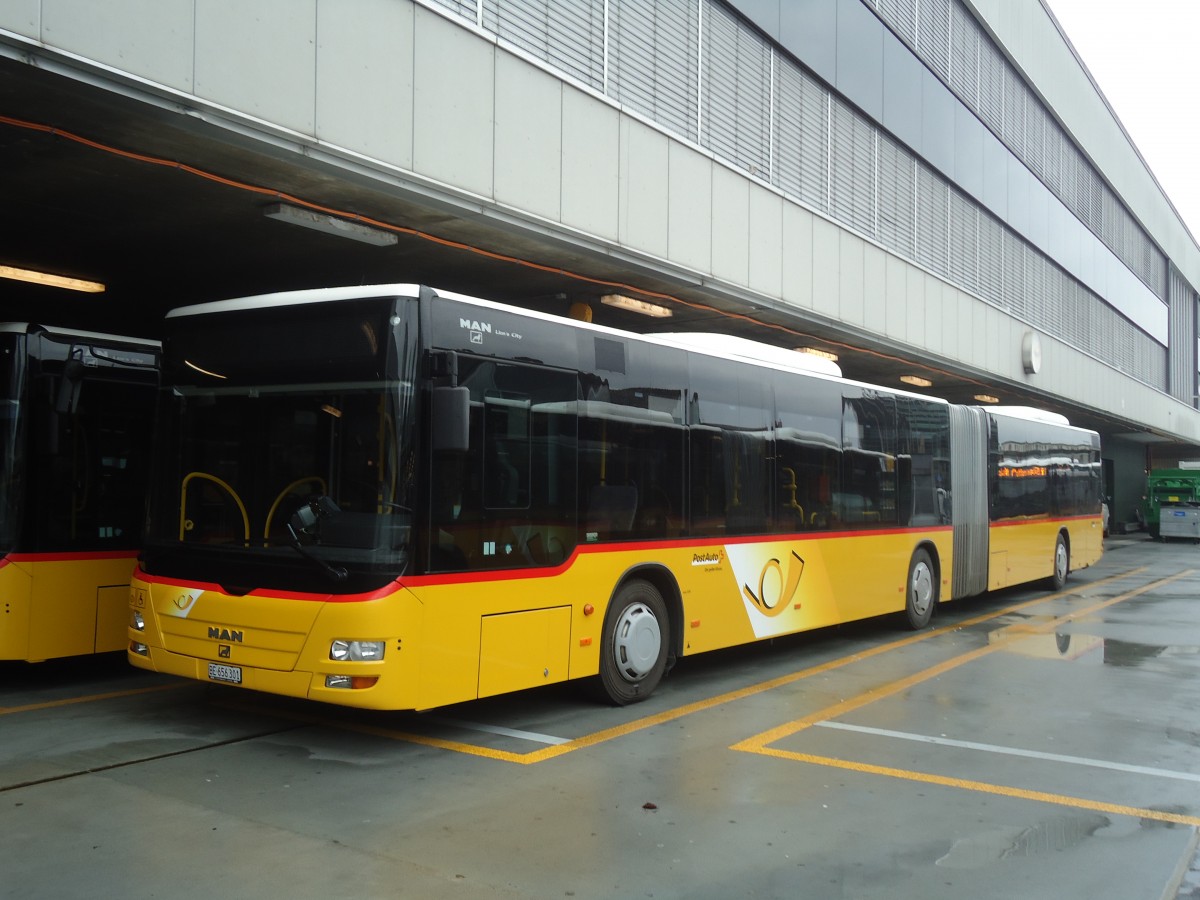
x=776, y=585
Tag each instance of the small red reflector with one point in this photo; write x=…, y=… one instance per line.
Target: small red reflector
x=695, y=623
x=585, y=642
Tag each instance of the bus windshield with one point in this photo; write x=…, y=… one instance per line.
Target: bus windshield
x=285, y=447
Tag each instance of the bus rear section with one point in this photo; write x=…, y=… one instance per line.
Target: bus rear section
x=77, y=405
x=1027, y=498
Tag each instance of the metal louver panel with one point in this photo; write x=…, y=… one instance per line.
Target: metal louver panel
x=736, y=91
x=930, y=234
x=933, y=36
x=1182, y=325
x=897, y=170
x=852, y=180
x=568, y=34
x=466, y=9
x=653, y=60
x=968, y=500
x=963, y=235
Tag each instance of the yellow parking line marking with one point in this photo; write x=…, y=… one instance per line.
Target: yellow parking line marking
x=760, y=743
x=71, y=701
x=985, y=788
x=599, y=737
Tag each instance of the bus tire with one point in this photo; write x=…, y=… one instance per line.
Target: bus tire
x=921, y=590
x=633, y=647
x=1062, y=564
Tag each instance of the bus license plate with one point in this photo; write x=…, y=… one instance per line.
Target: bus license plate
x=229, y=674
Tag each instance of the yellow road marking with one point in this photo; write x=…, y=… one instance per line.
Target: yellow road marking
x=985, y=788
x=760, y=743
x=71, y=701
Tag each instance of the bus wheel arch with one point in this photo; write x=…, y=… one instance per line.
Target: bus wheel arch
x=640, y=637
x=922, y=587
x=1062, y=561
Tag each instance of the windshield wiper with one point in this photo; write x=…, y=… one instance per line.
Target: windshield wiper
x=307, y=520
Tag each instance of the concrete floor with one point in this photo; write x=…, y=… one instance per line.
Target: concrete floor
x=1028, y=745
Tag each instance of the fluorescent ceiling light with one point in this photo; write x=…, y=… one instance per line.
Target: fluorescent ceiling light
x=620, y=301
x=306, y=218
x=987, y=398
x=916, y=379
x=821, y=354
x=60, y=281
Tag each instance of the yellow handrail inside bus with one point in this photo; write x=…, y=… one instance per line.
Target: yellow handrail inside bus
x=314, y=479
x=183, y=519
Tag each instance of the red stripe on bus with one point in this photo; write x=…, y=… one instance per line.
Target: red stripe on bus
x=491, y=575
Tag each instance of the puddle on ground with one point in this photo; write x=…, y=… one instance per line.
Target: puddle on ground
x=1050, y=836
x=1059, y=645
x=1126, y=653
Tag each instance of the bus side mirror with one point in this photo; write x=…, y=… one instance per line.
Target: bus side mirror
x=451, y=418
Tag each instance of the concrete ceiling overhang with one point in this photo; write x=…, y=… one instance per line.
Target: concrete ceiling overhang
x=166, y=207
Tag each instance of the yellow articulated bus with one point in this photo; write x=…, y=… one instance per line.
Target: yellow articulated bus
x=395, y=498
x=76, y=406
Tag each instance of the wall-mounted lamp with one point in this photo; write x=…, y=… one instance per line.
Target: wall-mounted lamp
x=620, y=301
x=306, y=218
x=916, y=380
x=46, y=278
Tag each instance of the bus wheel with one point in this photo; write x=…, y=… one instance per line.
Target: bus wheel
x=922, y=590
x=633, y=648
x=1062, y=564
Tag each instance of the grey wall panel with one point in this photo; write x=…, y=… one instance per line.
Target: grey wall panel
x=765, y=237
x=901, y=92
x=808, y=29
x=995, y=175
x=158, y=48
x=364, y=99
x=453, y=101
x=528, y=137
x=259, y=59
x=827, y=262
x=874, y=287
x=642, y=190
x=797, y=253
x=968, y=152
x=689, y=214
x=860, y=57
x=763, y=13
x=937, y=125
x=730, y=225
x=590, y=172
x=851, y=282
x=895, y=321
x=22, y=17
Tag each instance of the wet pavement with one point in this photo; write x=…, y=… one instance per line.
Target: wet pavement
x=1029, y=744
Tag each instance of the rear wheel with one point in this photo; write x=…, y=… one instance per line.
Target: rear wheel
x=1062, y=564
x=633, y=648
x=921, y=592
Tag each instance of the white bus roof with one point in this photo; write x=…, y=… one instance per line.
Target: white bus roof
x=293, y=298
x=727, y=347
x=1030, y=414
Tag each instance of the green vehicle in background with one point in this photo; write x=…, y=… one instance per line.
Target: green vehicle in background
x=1168, y=487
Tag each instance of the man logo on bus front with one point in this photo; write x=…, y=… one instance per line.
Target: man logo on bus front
x=775, y=587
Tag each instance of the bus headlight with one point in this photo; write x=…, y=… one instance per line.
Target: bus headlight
x=357, y=651
x=136, y=621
